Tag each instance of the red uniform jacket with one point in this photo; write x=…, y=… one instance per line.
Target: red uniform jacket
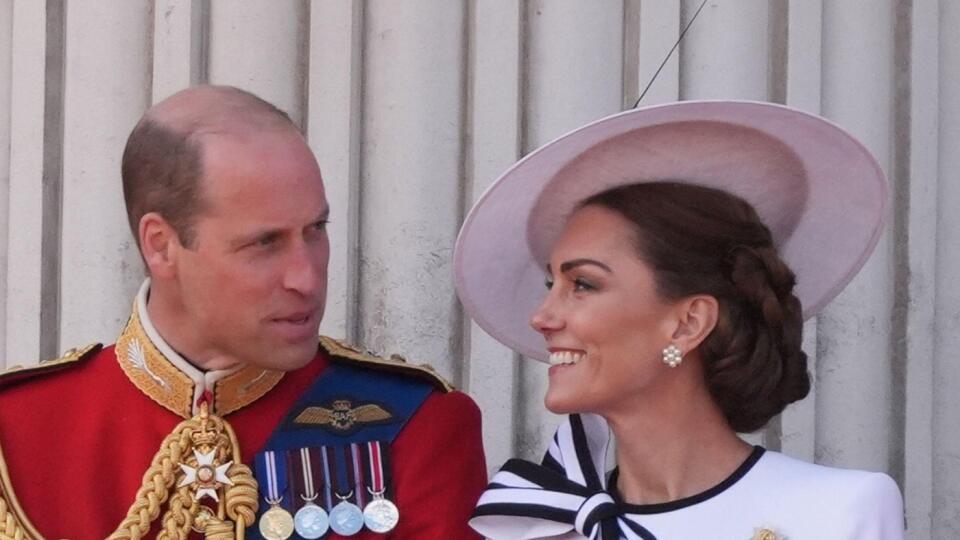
x=78, y=439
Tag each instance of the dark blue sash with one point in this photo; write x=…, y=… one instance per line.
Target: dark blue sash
x=346, y=404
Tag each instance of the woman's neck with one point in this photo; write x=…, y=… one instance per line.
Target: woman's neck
x=674, y=447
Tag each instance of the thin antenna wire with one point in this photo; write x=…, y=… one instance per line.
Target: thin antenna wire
x=669, y=54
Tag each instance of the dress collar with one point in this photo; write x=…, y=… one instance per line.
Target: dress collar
x=169, y=379
x=568, y=492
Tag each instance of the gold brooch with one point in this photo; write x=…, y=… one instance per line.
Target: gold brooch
x=206, y=473
x=342, y=415
x=766, y=534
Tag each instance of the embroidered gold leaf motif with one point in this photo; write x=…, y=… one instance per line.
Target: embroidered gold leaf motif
x=137, y=356
x=342, y=416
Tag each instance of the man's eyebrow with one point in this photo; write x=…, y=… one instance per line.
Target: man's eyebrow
x=573, y=263
x=252, y=236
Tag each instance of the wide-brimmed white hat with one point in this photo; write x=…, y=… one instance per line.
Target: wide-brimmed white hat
x=817, y=188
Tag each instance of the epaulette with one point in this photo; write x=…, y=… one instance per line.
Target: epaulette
x=70, y=358
x=396, y=363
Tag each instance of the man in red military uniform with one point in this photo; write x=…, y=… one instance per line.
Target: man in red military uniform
x=219, y=367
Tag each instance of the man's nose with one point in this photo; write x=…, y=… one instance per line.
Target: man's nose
x=306, y=268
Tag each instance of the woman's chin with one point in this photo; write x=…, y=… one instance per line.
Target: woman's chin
x=558, y=403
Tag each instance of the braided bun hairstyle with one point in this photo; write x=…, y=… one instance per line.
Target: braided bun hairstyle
x=701, y=240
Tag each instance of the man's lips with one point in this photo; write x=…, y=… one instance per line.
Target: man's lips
x=296, y=326
x=302, y=316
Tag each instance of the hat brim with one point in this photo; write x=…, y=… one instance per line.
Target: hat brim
x=817, y=188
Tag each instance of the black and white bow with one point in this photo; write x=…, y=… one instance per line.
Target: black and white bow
x=564, y=497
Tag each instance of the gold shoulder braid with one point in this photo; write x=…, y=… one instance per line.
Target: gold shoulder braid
x=199, y=460
x=395, y=363
x=71, y=357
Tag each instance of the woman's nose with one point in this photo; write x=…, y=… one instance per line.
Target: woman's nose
x=545, y=319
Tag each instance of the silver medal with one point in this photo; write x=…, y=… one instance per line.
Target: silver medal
x=311, y=521
x=346, y=519
x=381, y=515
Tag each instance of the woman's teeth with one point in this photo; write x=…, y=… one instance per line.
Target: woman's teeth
x=565, y=357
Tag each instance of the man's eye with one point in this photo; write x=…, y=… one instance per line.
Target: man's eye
x=548, y=282
x=321, y=225
x=267, y=240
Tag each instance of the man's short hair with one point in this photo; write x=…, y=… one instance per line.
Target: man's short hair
x=163, y=161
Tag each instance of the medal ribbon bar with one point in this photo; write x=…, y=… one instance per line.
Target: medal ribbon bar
x=380, y=515
x=309, y=470
x=272, y=471
x=357, y=468
x=346, y=518
x=273, y=474
x=379, y=468
x=311, y=520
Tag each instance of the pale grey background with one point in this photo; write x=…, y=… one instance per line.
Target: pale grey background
x=414, y=106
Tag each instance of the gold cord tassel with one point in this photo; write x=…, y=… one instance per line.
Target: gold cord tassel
x=202, y=457
x=9, y=527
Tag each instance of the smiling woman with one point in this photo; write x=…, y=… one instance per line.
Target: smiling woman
x=707, y=245
x=681, y=245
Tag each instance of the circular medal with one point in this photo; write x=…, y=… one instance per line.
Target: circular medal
x=346, y=519
x=381, y=515
x=276, y=524
x=311, y=521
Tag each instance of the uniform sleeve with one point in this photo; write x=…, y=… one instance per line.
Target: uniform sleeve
x=439, y=469
x=881, y=508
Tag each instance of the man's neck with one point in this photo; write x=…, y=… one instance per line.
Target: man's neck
x=178, y=332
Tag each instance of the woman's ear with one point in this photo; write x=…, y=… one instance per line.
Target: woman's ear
x=159, y=245
x=696, y=318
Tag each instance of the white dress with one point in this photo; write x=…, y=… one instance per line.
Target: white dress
x=792, y=499
x=769, y=497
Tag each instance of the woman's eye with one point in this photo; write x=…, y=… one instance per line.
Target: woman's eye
x=580, y=284
x=548, y=282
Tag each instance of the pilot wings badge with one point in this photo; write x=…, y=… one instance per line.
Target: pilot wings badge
x=342, y=416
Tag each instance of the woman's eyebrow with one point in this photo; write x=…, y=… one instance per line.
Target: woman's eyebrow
x=571, y=264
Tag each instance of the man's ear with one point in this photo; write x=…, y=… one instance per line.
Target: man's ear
x=159, y=245
x=696, y=318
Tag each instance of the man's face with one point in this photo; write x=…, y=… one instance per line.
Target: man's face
x=253, y=283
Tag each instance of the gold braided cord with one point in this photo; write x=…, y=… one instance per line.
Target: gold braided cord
x=218, y=530
x=178, y=520
x=242, y=498
x=239, y=502
x=237, y=508
x=155, y=487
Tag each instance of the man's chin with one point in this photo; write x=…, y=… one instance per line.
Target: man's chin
x=287, y=358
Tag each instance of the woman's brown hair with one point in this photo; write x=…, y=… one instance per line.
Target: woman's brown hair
x=701, y=240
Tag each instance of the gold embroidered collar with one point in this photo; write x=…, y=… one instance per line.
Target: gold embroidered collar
x=170, y=380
